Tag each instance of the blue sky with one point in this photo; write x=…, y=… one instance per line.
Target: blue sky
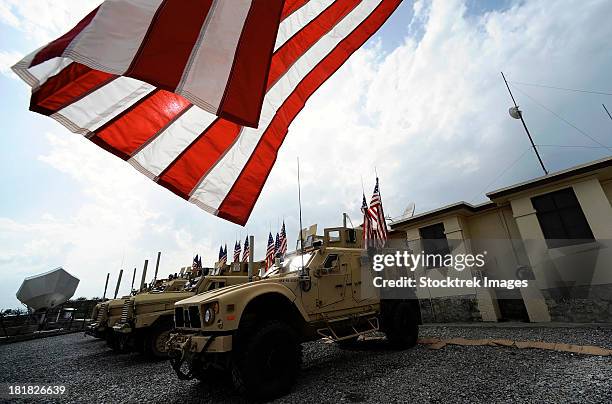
x=423, y=102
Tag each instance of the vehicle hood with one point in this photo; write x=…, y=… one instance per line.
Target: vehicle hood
x=147, y=298
x=218, y=293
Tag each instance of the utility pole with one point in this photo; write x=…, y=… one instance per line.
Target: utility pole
x=519, y=115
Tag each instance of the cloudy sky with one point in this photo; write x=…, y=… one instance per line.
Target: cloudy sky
x=423, y=103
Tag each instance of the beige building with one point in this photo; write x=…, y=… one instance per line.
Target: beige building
x=554, y=230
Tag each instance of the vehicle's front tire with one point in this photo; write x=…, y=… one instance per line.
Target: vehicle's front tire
x=156, y=342
x=266, y=364
x=112, y=341
x=402, y=327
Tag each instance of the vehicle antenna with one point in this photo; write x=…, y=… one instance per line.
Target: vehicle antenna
x=106, y=286
x=133, y=279
x=517, y=114
x=300, y=206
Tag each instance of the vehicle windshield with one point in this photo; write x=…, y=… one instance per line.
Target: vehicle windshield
x=290, y=264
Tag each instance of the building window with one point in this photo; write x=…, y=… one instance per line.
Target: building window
x=434, y=243
x=561, y=219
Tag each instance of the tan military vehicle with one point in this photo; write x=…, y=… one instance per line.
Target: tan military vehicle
x=146, y=319
x=104, y=316
x=253, y=332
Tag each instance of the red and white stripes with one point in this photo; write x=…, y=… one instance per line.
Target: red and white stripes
x=214, y=53
x=174, y=139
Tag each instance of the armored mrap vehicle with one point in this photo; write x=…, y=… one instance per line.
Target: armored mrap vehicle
x=253, y=332
x=146, y=319
x=105, y=314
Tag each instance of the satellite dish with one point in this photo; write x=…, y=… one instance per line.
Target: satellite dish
x=515, y=112
x=409, y=211
x=47, y=290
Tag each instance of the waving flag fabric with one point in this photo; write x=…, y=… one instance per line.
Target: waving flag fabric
x=147, y=97
x=216, y=54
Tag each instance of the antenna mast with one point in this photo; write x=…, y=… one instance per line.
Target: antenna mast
x=520, y=116
x=300, y=205
x=607, y=112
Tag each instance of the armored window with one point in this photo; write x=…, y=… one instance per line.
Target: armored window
x=330, y=261
x=562, y=219
x=434, y=244
x=179, y=319
x=351, y=236
x=334, y=236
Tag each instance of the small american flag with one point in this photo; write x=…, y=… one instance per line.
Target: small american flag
x=197, y=262
x=277, y=244
x=270, y=252
x=222, y=255
x=237, y=249
x=283, y=241
x=368, y=239
x=247, y=250
x=378, y=218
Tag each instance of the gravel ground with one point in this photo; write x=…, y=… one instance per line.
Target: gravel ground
x=370, y=372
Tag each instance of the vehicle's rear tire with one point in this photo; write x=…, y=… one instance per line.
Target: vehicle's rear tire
x=267, y=363
x=402, y=327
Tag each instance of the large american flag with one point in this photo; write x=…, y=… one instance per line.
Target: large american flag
x=283, y=241
x=169, y=90
x=270, y=252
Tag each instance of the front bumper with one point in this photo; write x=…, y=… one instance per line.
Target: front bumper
x=188, y=351
x=95, y=329
x=195, y=344
x=123, y=328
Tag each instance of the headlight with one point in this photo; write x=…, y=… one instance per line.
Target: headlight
x=209, y=316
x=210, y=311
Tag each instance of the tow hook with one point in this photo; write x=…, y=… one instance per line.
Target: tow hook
x=178, y=357
x=182, y=354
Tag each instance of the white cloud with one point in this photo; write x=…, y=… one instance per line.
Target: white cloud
x=42, y=21
x=117, y=220
x=430, y=116
x=8, y=59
